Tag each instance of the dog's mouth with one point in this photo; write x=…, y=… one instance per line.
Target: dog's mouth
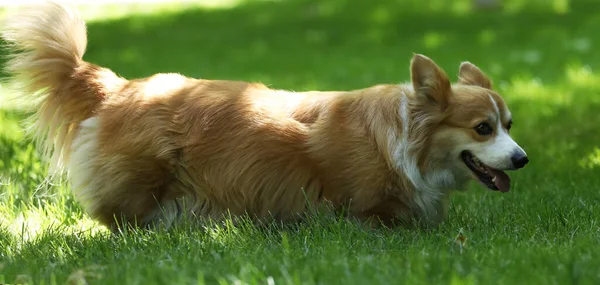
x=492, y=178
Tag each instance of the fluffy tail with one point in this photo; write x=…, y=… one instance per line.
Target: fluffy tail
x=46, y=44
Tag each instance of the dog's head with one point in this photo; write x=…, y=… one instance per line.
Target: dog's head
x=468, y=125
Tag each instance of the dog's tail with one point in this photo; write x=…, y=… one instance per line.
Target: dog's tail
x=46, y=44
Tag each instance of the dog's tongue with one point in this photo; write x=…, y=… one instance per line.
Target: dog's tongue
x=502, y=180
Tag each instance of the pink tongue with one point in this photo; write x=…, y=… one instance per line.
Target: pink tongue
x=502, y=180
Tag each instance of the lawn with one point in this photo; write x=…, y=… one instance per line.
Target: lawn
x=543, y=57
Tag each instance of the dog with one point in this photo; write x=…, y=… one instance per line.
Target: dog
x=153, y=150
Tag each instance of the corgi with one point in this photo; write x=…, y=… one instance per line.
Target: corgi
x=153, y=150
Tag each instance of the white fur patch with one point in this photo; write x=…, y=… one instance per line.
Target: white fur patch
x=81, y=165
x=428, y=186
x=497, y=152
x=495, y=107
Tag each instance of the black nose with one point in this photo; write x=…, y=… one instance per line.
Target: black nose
x=519, y=159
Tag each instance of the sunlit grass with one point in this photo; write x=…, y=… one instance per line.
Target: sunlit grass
x=592, y=160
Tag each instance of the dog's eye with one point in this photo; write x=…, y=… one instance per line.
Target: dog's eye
x=508, y=126
x=484, y=129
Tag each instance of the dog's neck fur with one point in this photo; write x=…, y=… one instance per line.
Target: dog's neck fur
x=406, y=187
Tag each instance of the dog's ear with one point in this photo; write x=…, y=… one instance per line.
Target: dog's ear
x=469, y=74
x=429, y=80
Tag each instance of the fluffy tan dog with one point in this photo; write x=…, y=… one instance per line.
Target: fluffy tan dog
x=151, y=150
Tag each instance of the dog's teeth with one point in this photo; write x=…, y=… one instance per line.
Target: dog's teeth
x=494, y=179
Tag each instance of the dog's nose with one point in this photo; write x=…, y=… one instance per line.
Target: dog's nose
x=519, y=159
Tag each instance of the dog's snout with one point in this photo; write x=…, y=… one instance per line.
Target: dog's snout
x=519, y=159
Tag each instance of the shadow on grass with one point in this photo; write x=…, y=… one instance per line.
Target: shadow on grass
x=211, y=250
x=326, y=250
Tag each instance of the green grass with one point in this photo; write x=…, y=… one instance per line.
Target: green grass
x=542, y=55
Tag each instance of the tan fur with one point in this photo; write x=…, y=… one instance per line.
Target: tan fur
x=234, y=147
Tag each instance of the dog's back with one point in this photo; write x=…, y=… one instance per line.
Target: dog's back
x=219, y=147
